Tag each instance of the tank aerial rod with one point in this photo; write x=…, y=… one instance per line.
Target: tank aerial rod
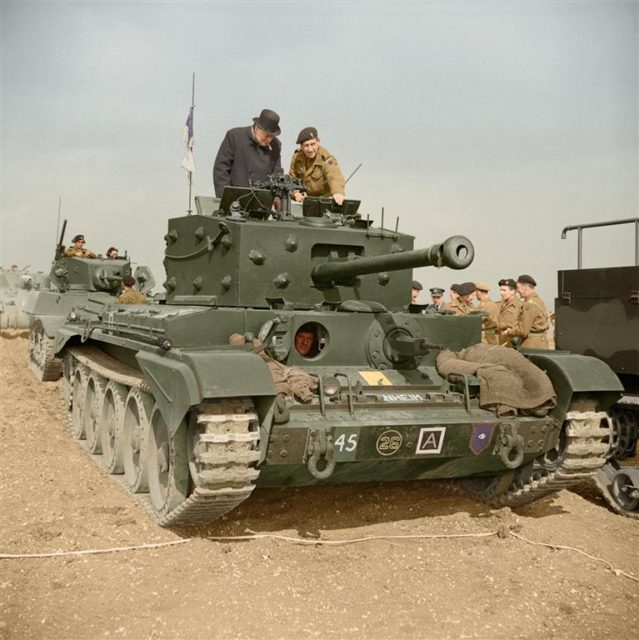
x=354, y=172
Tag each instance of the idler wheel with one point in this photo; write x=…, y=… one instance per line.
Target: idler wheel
x=625, y=488
x=137, y=414
x=167, y=465
x=112, y=427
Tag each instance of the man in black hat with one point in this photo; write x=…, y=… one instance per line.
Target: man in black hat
x=533, y=318
x=415, y=289
x=509, y=309
x=248, y=154
x=463, y=304
x=77, y=249
x=317, y=168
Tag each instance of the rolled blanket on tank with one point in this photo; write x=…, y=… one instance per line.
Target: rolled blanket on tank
x=508, y=381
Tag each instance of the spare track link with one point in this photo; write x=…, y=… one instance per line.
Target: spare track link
x=226, y=478
x=584, y=454
x=222, y=452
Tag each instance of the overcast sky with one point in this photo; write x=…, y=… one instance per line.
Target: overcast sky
x=503, y=121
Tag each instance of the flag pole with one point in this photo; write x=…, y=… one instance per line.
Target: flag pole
x=190, y=210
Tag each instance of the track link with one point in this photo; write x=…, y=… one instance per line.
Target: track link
x=587, y=437
x=223, y=446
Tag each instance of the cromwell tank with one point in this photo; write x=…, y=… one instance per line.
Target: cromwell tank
x=17, y=286
x=285, y=355
x=597, y=314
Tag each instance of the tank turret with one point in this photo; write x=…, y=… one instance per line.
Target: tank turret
x=318, y=254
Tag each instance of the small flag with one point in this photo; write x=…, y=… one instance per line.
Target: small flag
x=188, y=162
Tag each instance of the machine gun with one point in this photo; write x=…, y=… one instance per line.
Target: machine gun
x=281, y=186
x=59, y=248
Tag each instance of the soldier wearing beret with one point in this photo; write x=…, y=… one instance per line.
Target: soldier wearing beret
x=533, y=319
x=415, y=289
x=317, y=168
x=463, y=304
x=248, y=154
x=77, y=249
x=489, y=325
x=437, y=304
x=129, y=295
x=509, y=309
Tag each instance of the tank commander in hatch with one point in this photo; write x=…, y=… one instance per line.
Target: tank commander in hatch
x=77, y=249
x=129, y=295
x=248, y=154
x=112, y=253
x=317, y=168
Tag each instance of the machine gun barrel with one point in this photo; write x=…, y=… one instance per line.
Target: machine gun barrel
x=457, y=252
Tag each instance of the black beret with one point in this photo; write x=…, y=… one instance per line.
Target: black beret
x=78, y=238
x=525, y=279
x=466, y=288
x=309, y=133
x=128, y=281
x=436, y=291
x=417, y=285
x=507, y=282
x=454, y=287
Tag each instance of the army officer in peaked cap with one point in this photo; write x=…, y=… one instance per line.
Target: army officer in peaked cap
x=248, y=154
x=317, y=168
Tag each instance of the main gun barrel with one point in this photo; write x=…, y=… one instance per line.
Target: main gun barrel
x=457, y=252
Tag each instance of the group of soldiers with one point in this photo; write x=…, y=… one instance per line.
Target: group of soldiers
x=520, y=313
x=249, y=154
x=128, y=295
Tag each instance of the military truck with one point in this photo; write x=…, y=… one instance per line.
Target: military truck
x=286, y=354
x=597, y=314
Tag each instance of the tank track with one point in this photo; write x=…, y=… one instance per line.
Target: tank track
x=222, y=448
x=42, y=360
x=586, y=444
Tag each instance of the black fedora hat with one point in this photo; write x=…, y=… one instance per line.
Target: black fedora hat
x=269, y=121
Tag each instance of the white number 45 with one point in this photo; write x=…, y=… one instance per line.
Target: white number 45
x=346, y=444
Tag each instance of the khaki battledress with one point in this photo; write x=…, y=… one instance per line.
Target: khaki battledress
x=508, y=318
x=533, y=323
x=131, y=296
x=321, y=176
x=460, y=308
x=489, y=325
x=74, y=252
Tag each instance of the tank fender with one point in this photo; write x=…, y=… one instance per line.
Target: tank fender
x=51, y=324
x=178, y=383
x=571, y=373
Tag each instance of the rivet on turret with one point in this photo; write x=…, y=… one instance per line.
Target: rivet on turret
x=383, y=278
x=198, y=282
x=290, y=243
x=199, y=233
x=281, y=281
x=226, y=282
x=170, y=284
x=171, y=236
x=256, y=257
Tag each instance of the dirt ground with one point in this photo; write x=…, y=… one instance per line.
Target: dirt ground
x=54, y=498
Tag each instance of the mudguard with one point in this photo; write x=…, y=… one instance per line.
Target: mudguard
x=571, y=373
x=186, y=378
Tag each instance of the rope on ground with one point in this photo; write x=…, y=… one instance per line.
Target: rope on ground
x=617, y=572
x=88, y=552
x=502, y=532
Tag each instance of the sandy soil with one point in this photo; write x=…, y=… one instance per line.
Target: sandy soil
x=53, y=498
